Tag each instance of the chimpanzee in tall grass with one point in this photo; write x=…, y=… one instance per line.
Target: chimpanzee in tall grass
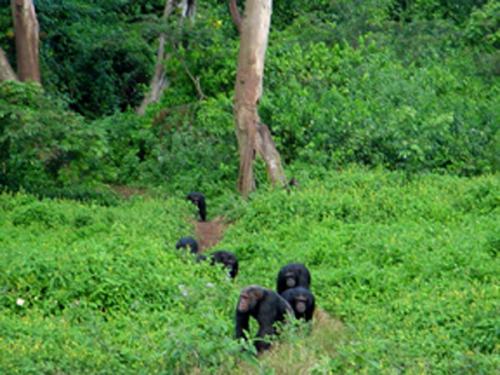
x=267, y=307
x=198, y=199
x=186, y=242
x=302, y=302
x=224, y=257
x=293, y=275
x=229, y=261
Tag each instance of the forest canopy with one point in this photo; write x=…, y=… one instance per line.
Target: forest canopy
x=409, y=85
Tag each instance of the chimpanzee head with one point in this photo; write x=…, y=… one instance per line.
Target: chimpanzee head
x=293, y=275
x=249, y=298
x=290, y=279
x=302, y=302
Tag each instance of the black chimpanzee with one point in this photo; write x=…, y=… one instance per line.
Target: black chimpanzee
x=228, y=259
x=185, y=242
x=199, y=200
x=266, y=306
x=293, y=275
x=302, y=302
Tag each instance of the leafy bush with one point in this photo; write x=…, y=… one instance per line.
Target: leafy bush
x=42, y=145
x=484, y=25
x=338, y=105
x=95, y=54
x=457, y=10
x=185, y=148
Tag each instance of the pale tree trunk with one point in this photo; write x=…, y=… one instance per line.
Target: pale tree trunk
x=6, y=71
x=26, y=31
x=159, y=80
x=254, y=137
x=188, y=8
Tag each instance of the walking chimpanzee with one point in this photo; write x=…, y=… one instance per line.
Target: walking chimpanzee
x=227, y=258
x=229, y=261
x=186, y=242
x=266, y=306
x=293, y=275
x=198, y=199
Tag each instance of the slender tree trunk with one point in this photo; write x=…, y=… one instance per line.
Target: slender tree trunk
x=235, y=14
x=188, y=8
x=6, y=71
x=253, y=137
x=26, y=31
x=159, y=81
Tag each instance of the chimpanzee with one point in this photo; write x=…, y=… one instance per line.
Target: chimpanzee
x=199, y=200
x=228, y=259
x=201, y=258
x=302, y=302
x=293, y=275
x=185, y=242
x=266, y=306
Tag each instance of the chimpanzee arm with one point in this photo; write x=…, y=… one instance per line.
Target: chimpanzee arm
x=202, y=207
x=241, y=324
x=310, y=308
x=309, y=313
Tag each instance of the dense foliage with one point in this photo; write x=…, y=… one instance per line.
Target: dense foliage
x=42, y=145
x=386, y=111
x=398, y=84
x=408, y=266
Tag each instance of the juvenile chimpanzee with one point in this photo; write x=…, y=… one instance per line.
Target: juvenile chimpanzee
x=293, y=275
x=302, y=302
x=229, y=261
x=185, y=242
x=199, y=200
x=266, y=306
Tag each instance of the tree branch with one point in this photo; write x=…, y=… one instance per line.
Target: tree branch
x=235, y=14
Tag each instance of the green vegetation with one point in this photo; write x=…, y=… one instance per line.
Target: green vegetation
x=402, y=85
x=407, y=265
x=386, y=111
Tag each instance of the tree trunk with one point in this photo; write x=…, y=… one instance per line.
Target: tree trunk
x=6, y=71
x=159, y=80
x=188, y=8
x=26, y=31
x=253, y=137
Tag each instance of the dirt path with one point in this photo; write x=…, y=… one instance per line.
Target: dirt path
x=209, y=233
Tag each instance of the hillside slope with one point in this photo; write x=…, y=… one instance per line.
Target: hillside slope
x=405, y=270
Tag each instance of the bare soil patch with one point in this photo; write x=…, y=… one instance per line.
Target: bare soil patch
x=209, y=233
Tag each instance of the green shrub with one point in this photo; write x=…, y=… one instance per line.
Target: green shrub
x=483, y=27
x=42, y=145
